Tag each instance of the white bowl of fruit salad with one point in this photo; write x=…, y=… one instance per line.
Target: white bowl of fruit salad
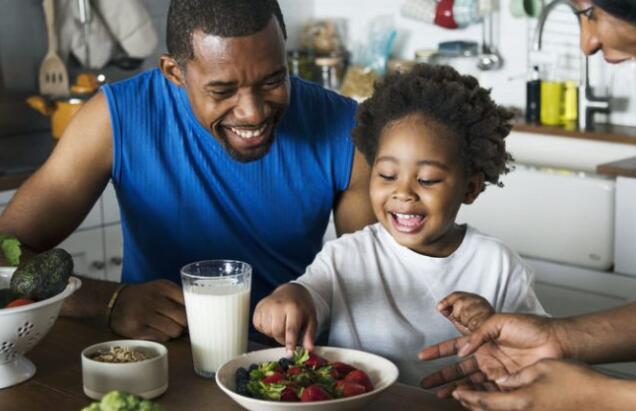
x=327, y=379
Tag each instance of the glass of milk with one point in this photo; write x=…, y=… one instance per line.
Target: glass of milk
x=217, y=301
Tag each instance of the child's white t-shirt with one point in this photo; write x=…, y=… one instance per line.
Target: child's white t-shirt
x=378, y=296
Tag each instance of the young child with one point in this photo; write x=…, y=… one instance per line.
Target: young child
x=433, y=138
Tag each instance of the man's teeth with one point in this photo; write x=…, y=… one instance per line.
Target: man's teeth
x=248, y=134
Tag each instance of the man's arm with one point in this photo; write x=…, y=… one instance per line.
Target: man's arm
x=353, y=209
x=54, y=201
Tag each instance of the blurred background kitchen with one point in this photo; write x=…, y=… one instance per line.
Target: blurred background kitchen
x=567, y=206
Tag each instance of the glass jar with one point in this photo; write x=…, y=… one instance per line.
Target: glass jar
x=330, y=69
x=301, y=63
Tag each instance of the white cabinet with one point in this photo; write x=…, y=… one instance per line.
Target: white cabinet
x=568, y=291
x=86, y=247
x=114, y=252
x=96, y=245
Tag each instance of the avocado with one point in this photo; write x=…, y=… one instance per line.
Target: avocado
x=43, y=276
x=6, y=296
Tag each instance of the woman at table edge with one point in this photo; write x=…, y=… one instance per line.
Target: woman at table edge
x=520, y=353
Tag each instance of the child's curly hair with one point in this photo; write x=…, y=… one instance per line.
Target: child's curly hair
x=451, y=100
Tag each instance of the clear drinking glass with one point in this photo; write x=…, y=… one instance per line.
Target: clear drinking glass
x=217, y=300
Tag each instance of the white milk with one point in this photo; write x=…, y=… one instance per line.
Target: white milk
x=217, y=322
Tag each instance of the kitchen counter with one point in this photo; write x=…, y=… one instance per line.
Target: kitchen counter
x=603, y=132
x=57, y=383
x=21, y=155
x=621, y=168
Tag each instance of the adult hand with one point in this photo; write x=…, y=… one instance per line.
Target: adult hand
x=285, y=315
x=465, y=310
x=503, y=345
x=151, y=311
x=546, y=385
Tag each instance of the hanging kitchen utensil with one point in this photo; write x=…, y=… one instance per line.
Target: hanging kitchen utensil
x=489, y=59
x=53, y=76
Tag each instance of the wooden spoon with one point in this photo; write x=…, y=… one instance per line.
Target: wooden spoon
x=53, y=76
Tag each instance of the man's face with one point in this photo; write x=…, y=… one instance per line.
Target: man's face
x=614, y=37
x=238, y=88
x=417, y=185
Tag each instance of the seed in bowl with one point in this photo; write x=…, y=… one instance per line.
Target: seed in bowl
x=117, y=354
x=304, y=377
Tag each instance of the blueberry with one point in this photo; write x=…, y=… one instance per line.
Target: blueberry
x=285, y=363
x=241, y=375
x=242, y=389
x=253, y=367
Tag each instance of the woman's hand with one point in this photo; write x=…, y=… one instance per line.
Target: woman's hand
x=503, y=345
x=552, y=385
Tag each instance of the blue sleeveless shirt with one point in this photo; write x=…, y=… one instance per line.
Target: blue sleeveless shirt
x=183, y=198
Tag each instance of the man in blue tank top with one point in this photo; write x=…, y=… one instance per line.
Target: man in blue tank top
x=216, y=154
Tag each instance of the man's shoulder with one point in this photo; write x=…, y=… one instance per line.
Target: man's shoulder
x=139, y=82
x=314, y=98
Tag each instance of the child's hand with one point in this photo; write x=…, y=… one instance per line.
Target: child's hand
x=285, y=314
x=465, y=310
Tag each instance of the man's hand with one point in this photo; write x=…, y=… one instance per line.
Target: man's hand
x=465, y=310
x=151, y=311
x=503, y=345
x=285, y=315
x=548, y=385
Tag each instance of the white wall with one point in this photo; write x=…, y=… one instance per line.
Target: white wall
x=513, y=36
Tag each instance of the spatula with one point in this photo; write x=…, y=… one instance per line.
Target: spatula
x=53, y=74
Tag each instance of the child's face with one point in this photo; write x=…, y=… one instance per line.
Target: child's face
x=418, y=183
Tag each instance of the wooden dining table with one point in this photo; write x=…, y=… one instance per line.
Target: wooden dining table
x=57, y=384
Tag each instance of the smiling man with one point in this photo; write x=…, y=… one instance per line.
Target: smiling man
x=216, y=154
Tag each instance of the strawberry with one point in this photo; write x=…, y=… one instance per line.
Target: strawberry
x=294, y=370
x=349, y=389
x=314, y=393
x=288, y=395
x=360, y=377
x=341, y=369
x=18, y=302
x=273, y=378
x=315, y=361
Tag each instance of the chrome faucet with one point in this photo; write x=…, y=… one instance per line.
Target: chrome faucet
x=588, y=102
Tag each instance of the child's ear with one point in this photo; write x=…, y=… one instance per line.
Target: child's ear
x=474, y=187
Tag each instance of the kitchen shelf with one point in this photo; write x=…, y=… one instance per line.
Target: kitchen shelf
x=603, y=132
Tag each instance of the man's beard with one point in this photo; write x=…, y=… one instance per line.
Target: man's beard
x=250, y=155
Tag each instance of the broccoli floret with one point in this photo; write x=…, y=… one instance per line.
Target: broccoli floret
x=121, y=401
x=11, y=249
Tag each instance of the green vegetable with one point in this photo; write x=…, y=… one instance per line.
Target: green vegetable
x=6, y=296
x=122, y=401
x=264, y=391
x=10, y=247
x=300, y=356
x=43, y=276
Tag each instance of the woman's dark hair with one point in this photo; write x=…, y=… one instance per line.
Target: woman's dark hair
x=445, y=98
x=622, y=9
x=225, y=18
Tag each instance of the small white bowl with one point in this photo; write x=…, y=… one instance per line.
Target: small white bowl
x=147, y=379
x=382, y=372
